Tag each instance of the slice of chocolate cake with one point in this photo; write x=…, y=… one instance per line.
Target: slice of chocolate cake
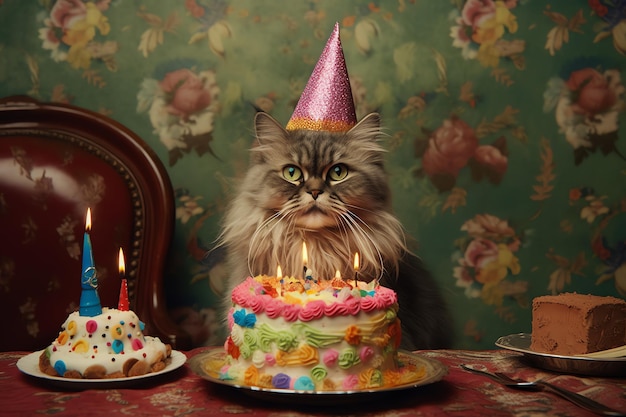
x=575, y=324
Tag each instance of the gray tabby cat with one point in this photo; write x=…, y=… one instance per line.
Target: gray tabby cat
x=329, y=190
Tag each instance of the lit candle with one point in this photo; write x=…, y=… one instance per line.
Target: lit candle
x=357, y=266
x=305, y=260
x=123, y=304
x=337, y=274
x=279, y=275
x=89, y=300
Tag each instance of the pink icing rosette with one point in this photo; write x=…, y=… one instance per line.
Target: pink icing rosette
x=313, y=310
x=388, y=296
x=371, y=303
x=257, y=303
x=270, y=359
x=330, y=357
x=366, y=353
x=350, y=382
x=136, y=344
x=353, y=305
x=241, y=293
x=91, y=326
x=336, y=309
x=291, y=312
x=274, y=308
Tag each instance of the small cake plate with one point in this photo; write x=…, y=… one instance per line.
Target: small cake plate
x=581, y=365
x=29, y=365
x=207, y=365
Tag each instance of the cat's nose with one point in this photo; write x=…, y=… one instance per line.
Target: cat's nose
x=315, y=193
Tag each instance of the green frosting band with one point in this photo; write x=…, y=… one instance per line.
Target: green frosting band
x=317, y=337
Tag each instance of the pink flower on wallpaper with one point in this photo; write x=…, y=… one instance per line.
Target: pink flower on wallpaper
x=477, y=11
x=182, y=107
x=70, y=32
x=590, y=91
x=486, y=258
x=187, y=92
x=480, y=252
x=488, y=226
x=479, y=28
x=449, y=148
x=64, y=13
x=587, y=106
x=492, y=157
x=453, y=146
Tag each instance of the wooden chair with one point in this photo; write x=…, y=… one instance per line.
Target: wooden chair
x=55, y=161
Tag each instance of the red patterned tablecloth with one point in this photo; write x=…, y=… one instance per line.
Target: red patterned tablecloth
x=182, y=393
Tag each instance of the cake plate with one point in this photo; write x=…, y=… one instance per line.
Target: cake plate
x=207, y=365
x=29, y=365
x=581, y=365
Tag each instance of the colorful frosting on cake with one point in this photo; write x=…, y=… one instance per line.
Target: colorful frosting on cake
x=107, y=345
x=305, y=334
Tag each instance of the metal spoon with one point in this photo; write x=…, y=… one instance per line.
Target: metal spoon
x=575, y=398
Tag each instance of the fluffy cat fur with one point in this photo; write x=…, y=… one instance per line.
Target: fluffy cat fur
x=331, y=191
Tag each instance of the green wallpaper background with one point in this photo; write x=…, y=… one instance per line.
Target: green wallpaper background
x=503, y=118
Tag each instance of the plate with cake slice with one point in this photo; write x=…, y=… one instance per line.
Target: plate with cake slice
x=574, y=333
x=419, y=371
x=29, y=365
x=571, y=364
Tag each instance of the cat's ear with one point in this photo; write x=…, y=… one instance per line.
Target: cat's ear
x=267, y=130
x=368, y=128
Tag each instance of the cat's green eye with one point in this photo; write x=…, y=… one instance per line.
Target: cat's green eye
x=292, y=173
x=338, y=172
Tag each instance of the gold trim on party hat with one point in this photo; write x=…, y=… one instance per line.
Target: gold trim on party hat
x=326, y=102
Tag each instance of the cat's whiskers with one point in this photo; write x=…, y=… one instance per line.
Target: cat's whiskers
x=352, y=206
x=404, y=244
x=265, y=229
x=262, y=237
x=258, y=237
x=352, y=221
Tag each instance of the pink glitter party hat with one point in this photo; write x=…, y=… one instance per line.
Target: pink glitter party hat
x=326, y=102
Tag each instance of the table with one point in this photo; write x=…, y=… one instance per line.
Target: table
x=182, y=393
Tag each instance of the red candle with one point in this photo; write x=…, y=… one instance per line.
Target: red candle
x=123, y=304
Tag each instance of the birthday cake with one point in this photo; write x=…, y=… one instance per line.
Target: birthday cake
x=313, y=333
x=97, y=342
x=107, y=345
x=305, y=334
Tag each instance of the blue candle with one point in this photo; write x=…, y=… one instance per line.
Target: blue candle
x=89, y=300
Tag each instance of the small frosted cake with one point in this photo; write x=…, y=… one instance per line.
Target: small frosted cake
x=575, y=324
x=107, y=345
x=307, y=335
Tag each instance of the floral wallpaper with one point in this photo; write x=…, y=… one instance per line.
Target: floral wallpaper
x=503, y=122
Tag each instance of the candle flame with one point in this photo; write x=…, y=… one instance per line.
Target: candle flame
x=305, y=255
x=279, y=272
x=121, y=263
x=337, y=274
x=357, y=264
x=88, y=220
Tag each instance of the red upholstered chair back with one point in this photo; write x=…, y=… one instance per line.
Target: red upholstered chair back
x=57, y=160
